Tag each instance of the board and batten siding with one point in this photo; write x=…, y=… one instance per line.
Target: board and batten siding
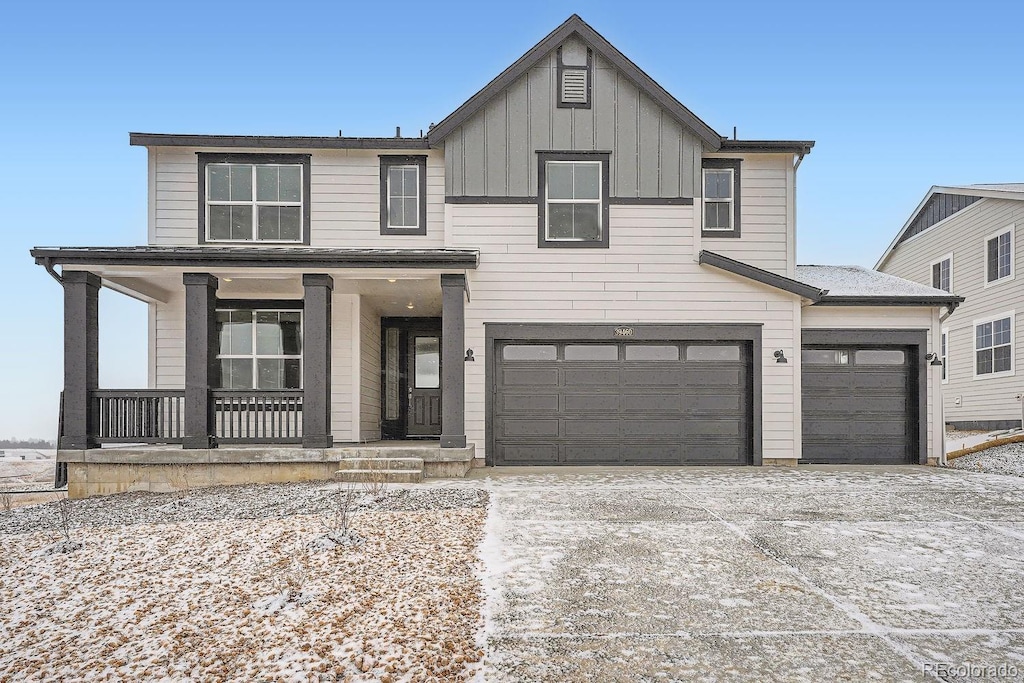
x=767, y=223
x=344, y=198
x=964, y=234
x=369, y=372
x=648, y=275
x=889, y=318
x=494, y=152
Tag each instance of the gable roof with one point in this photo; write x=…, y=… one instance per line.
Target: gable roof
x=765, y=277
x=576, y=25
x=981, y=190
x=860, y=286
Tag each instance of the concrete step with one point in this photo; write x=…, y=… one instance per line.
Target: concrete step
x=381, y=463
x=355, y=476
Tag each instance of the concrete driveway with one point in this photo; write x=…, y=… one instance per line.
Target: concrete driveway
x=755, y=574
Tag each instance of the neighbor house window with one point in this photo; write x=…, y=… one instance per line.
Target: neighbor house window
x=260, y=348
x=721, y=182
x=942, y=273
x=573, y=199
x=254, y=198
x=944, y=354
x=999, y=257
x=993, y=346
x=403, y=195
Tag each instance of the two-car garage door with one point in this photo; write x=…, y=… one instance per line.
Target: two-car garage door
x=586, y=402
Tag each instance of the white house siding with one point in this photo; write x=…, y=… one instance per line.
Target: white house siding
x=369, y=376
x=766, y=221
x=344, y=198
x=168, y=343
x=648, y=275
x=889, y=318
x=964, y=235
x=344, y=360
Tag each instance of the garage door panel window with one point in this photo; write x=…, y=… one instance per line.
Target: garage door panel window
x=825, y=357
x=994, y=347
x=591, y=352
x=879, y=357
x=641, y=352
x=713, y=353
x=528, y=352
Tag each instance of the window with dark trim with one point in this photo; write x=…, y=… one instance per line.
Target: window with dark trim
x=572, y=199
x=993, y=347
x=999, y=257
x=246, y=198
x=259, y=348
x=403, y=195
x=942, y=274
x=721, y=191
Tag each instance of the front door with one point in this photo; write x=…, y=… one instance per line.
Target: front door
x=410, y=377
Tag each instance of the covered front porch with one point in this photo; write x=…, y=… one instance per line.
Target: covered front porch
x=270, y=362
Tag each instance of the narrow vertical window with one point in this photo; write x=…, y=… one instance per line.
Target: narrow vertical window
x=944, y=354
x=942, y=273
x=999, y=257
x=403, y=190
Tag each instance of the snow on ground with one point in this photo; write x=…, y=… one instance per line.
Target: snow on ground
x=1006, y=459
x=242, y=583
x=25, y=470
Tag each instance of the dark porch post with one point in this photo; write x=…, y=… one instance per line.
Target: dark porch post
x=81, y=357
x=201, y=368
x=316, y=361
x=453, y=361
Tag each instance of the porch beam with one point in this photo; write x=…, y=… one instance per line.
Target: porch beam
x=201, y=368
x=453, y=361
x=316, y=361
x=81, y=358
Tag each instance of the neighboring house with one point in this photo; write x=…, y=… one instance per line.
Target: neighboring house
x=570, y=268
x=963, y=239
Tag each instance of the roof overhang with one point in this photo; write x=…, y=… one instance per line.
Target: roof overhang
x=576, y=25
x=256, y=257
x=765, y=277
x=950, y=302
x=800, y=147
x=273, y=141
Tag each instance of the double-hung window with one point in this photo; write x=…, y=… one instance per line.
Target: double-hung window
x=573, y=199
x=942, y=273
x=721, y=183
x=403, y=195
x=254, y=198
x=260, y=348
x=993, y=346
x=944, y=355
x=999, y=257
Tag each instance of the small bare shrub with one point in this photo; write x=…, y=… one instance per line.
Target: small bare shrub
x=64, y=522
x=337, y=520
x=6, y=500
x=376, y=481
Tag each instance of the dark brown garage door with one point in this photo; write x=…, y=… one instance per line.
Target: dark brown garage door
x=622, y=403
x=859, y=405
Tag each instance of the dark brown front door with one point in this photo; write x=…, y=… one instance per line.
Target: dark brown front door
x=424, y=384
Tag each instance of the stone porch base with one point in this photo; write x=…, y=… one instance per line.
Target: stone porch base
x=161, y=469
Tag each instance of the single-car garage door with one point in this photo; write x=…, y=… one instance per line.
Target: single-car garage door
x=860, y=405
x=631, y=403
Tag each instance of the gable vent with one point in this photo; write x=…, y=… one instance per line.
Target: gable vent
x=574, y=86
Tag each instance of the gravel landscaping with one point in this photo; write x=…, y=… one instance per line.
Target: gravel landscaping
x=245, y=583
x=1007, y=459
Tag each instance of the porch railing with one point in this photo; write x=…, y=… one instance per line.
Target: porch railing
x=249, y=416
x=138, y=416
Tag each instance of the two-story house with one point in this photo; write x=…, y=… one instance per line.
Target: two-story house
x=963, y=239
x=571, y=268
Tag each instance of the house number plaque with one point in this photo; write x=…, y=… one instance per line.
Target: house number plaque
x=623, y=331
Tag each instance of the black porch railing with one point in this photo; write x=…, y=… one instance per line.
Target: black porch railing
x=138, y=416
x=264, y=417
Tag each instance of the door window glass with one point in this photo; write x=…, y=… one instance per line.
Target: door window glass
x=428, y=362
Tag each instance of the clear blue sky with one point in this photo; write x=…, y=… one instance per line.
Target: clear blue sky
x=898, y=95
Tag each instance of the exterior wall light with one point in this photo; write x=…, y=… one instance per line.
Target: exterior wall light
x=469, y=356
x=934, y=358
x=780, y=357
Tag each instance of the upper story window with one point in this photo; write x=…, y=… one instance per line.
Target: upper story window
x=260, y=348
x=403, y=195
x=573, y=199
x=999, y=257
x=721, y=182
x=942, y=273
x=993, y=346
x=254, y=198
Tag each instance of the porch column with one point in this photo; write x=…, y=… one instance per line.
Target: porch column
x=81, y=357
x=316, y=361
x=201, y=367
x=453, y=361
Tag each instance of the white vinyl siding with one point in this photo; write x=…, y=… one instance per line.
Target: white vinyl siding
x=965, y=233
x=369, y=375
x=344, y=199
x=764, y=214
x=647, y=275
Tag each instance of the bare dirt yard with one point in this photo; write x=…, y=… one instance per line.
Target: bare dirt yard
x=286, y=582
